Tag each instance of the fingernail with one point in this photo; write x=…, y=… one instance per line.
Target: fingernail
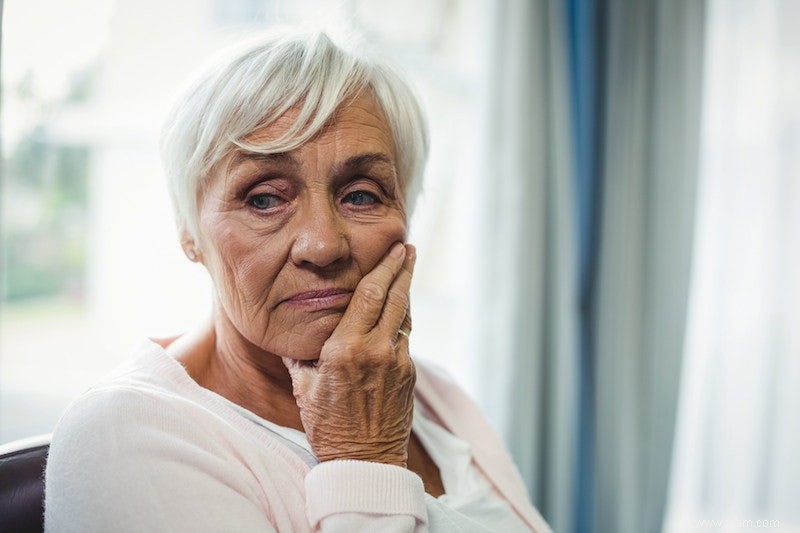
x=397, y=250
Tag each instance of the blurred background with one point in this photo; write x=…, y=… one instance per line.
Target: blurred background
x=609, y=235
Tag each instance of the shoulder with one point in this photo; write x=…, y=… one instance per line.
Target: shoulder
x=147, y=405
x=135, y=414
x=115, y=409
x=117, y=422
x=140, y=392
x=127, y=446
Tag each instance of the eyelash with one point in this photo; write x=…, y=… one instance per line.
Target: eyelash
x=374, y=199
x=371, y=199
x=252, y=201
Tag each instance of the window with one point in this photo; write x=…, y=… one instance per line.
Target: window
x=736, y=463
x=90, y=260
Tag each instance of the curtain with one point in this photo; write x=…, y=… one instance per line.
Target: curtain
x=527, y=253
x=737, y=466
x=649, y=141
x=590, y=155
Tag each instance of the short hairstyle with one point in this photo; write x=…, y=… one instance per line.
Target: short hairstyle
x=260, y=81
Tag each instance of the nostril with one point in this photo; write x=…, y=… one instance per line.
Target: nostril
x=320, y=250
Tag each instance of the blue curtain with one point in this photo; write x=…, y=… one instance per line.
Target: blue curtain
x=590, y=148
x=635, y=74
x=586, y=83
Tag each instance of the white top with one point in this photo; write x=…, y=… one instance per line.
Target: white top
x=148, y=449
x=468, y=493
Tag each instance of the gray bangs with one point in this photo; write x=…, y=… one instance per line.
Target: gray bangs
x=256, y=84
x=314, y=76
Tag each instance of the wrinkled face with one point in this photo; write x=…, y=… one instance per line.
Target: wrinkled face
x=287, y=237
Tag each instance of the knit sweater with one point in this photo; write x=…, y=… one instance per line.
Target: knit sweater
x=149, y=449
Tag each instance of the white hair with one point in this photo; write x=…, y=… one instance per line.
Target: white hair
x=257, y=84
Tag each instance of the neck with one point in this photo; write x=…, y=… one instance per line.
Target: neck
x=220, y=359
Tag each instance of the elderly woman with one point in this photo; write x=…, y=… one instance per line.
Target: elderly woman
x=295, y=407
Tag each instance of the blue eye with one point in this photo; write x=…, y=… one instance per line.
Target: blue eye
x=264, y=201
x=361, y=198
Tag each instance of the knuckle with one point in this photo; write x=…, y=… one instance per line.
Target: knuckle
x=341, y=348
x=372, y=291
x=390, y=267
x=406, y=366
x=402, y=300
x=387, y=350
x=407, y=374
x=381, y=353
x=397, y=304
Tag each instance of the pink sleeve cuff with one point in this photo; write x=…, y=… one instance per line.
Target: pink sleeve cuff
x=345, y=486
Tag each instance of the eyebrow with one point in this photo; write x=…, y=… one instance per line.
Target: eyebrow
x=280, y=158
x=287, y=159
x=364, y=160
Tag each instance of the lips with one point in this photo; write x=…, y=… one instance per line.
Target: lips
x=320, y=299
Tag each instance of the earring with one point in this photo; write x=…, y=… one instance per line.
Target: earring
x=190, y=253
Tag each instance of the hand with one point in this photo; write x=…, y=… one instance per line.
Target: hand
x=356, y=400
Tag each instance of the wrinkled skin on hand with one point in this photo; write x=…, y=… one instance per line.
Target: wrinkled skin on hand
x=356, y=401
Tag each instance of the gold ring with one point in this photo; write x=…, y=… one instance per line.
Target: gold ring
x=403, y=333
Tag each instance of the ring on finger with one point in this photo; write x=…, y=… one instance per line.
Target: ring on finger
x=404, y=333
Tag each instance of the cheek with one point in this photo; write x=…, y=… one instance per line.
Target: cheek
x=240, y=266
x=371, y=243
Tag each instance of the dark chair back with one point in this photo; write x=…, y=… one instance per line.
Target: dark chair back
x=22, y=465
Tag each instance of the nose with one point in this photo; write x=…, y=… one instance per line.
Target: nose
x=321, y=238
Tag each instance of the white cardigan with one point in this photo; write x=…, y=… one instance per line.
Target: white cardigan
x=149, y=449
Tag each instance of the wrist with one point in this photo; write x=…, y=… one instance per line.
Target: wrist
x=387, y=459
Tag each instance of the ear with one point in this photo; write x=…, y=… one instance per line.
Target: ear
x=191, y=250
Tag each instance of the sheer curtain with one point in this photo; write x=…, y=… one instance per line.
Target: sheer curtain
x=598, y=462
x=528, y=314
x=649, y=144
x=736, y=464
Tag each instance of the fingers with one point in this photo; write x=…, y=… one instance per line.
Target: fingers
x=366, y=306
x=401, y=338
x=356, y=401
x=397, y=309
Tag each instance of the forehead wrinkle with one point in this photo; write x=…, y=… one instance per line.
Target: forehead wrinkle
x=281, y=158
x=361, y=112
x=239, y=158
x=367, y=160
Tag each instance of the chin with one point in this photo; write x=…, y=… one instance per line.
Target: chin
x=307, y=340
x=304, y=350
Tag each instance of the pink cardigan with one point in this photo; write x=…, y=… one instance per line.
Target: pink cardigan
x=149, y=449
